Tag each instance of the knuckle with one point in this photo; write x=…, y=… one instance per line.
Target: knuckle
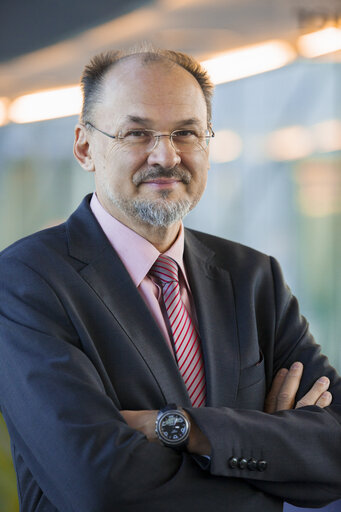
x=284, y=397
x=302, y=403
x=326, y=397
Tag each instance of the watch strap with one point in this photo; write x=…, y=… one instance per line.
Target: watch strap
x=168, y=407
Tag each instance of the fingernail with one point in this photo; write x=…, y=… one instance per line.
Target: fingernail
x=323, y=380
x=296, y=366
x=282, y=372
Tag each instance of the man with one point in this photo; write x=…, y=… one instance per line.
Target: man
x=136, y=356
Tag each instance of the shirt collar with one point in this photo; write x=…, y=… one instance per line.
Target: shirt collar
x=127, y=243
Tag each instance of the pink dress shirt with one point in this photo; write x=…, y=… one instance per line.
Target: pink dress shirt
x=128, y=244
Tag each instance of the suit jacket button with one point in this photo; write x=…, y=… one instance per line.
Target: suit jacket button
x=242, y=463
x=252, y=464
x=262, y=465
x=233, y=462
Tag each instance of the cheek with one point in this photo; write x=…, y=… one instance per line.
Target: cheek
x=202, y=183
x=198, y=167
x=120, y=167
x=112, y=151
x=115, y=156
x=201, y=175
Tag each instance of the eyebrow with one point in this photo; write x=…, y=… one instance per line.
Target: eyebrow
x=139, y=120
x=190, y=121
x=145, y=121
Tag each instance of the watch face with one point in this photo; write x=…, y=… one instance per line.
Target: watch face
x=173, y=427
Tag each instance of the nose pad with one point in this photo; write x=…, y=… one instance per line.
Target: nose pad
x=167, y=138
x=163, y=152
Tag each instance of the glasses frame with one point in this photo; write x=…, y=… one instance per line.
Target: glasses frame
x=157, y=136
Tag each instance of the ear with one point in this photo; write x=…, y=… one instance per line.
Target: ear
x=81, y=149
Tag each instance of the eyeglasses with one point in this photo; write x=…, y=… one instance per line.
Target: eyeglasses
x=183, y=141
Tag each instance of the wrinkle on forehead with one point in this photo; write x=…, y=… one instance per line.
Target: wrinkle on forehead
x=151, y=82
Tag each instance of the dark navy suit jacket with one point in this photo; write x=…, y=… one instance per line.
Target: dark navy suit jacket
x=78, y=344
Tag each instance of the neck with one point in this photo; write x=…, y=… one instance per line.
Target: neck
x=162, y=238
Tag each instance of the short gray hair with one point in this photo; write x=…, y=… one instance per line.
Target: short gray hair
x=95, y=71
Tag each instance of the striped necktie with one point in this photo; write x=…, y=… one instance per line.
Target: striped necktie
x=186, y=340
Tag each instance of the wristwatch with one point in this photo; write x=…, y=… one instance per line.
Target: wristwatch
x=172, y=427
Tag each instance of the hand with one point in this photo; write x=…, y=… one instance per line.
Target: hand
x=144, y=421
x=284, y=387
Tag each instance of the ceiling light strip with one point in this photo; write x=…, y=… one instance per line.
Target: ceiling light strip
x=43, y=105
x=249, y=61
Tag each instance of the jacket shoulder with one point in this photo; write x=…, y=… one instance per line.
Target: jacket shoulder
x=230, y=253
x=37, y=245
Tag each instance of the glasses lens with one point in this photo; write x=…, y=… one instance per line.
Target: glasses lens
x=182, y=140
x=186, y=141
x=143, y=139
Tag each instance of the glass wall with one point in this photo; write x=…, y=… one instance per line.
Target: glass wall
x=282, y=195
x=274, y=184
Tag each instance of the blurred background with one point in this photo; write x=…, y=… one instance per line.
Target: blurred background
x=275, y=178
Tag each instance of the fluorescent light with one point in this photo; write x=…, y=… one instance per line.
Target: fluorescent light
x=3, y=111
x=49, y=104
x=321, y=42
x=296, y=142
x=249, y=60
x=226, y=146
x=327, y=135
x=290, y=143
x=318, y=188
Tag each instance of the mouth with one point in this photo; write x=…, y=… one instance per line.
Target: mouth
x=162, y=182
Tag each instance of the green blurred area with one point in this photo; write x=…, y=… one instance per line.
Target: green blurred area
x=8, y=486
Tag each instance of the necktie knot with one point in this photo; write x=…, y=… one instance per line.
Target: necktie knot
x=165, y=269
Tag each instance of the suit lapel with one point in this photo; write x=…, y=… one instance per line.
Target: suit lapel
x=107, y=276
x=214, y=302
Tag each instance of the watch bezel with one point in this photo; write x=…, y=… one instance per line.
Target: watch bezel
x=181, y=442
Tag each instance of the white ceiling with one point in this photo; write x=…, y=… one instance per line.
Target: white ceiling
x=199, y=27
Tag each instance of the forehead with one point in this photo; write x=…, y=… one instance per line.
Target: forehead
x=160, y=91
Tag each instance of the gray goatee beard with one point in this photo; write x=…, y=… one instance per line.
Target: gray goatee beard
x=158, y=212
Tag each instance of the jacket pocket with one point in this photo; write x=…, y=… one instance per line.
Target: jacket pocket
x=251, y=389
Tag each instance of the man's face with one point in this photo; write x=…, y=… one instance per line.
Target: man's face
x=139, y=187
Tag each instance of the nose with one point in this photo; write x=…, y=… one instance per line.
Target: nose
x=164, y=154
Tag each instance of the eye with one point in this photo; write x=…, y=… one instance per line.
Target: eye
x=136, y=134
x=185, y=134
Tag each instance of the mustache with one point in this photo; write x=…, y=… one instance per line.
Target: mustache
x=160, y=172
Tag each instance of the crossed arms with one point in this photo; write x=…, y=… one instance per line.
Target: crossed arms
x=82, y=451
x=281, y=397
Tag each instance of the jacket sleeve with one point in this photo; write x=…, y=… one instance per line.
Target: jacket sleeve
x=67, y=429
x=301, y=448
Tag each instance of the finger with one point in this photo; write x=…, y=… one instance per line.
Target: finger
x=314, y=394
x=271, y=399
x=325, y=399
x=287, y=394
